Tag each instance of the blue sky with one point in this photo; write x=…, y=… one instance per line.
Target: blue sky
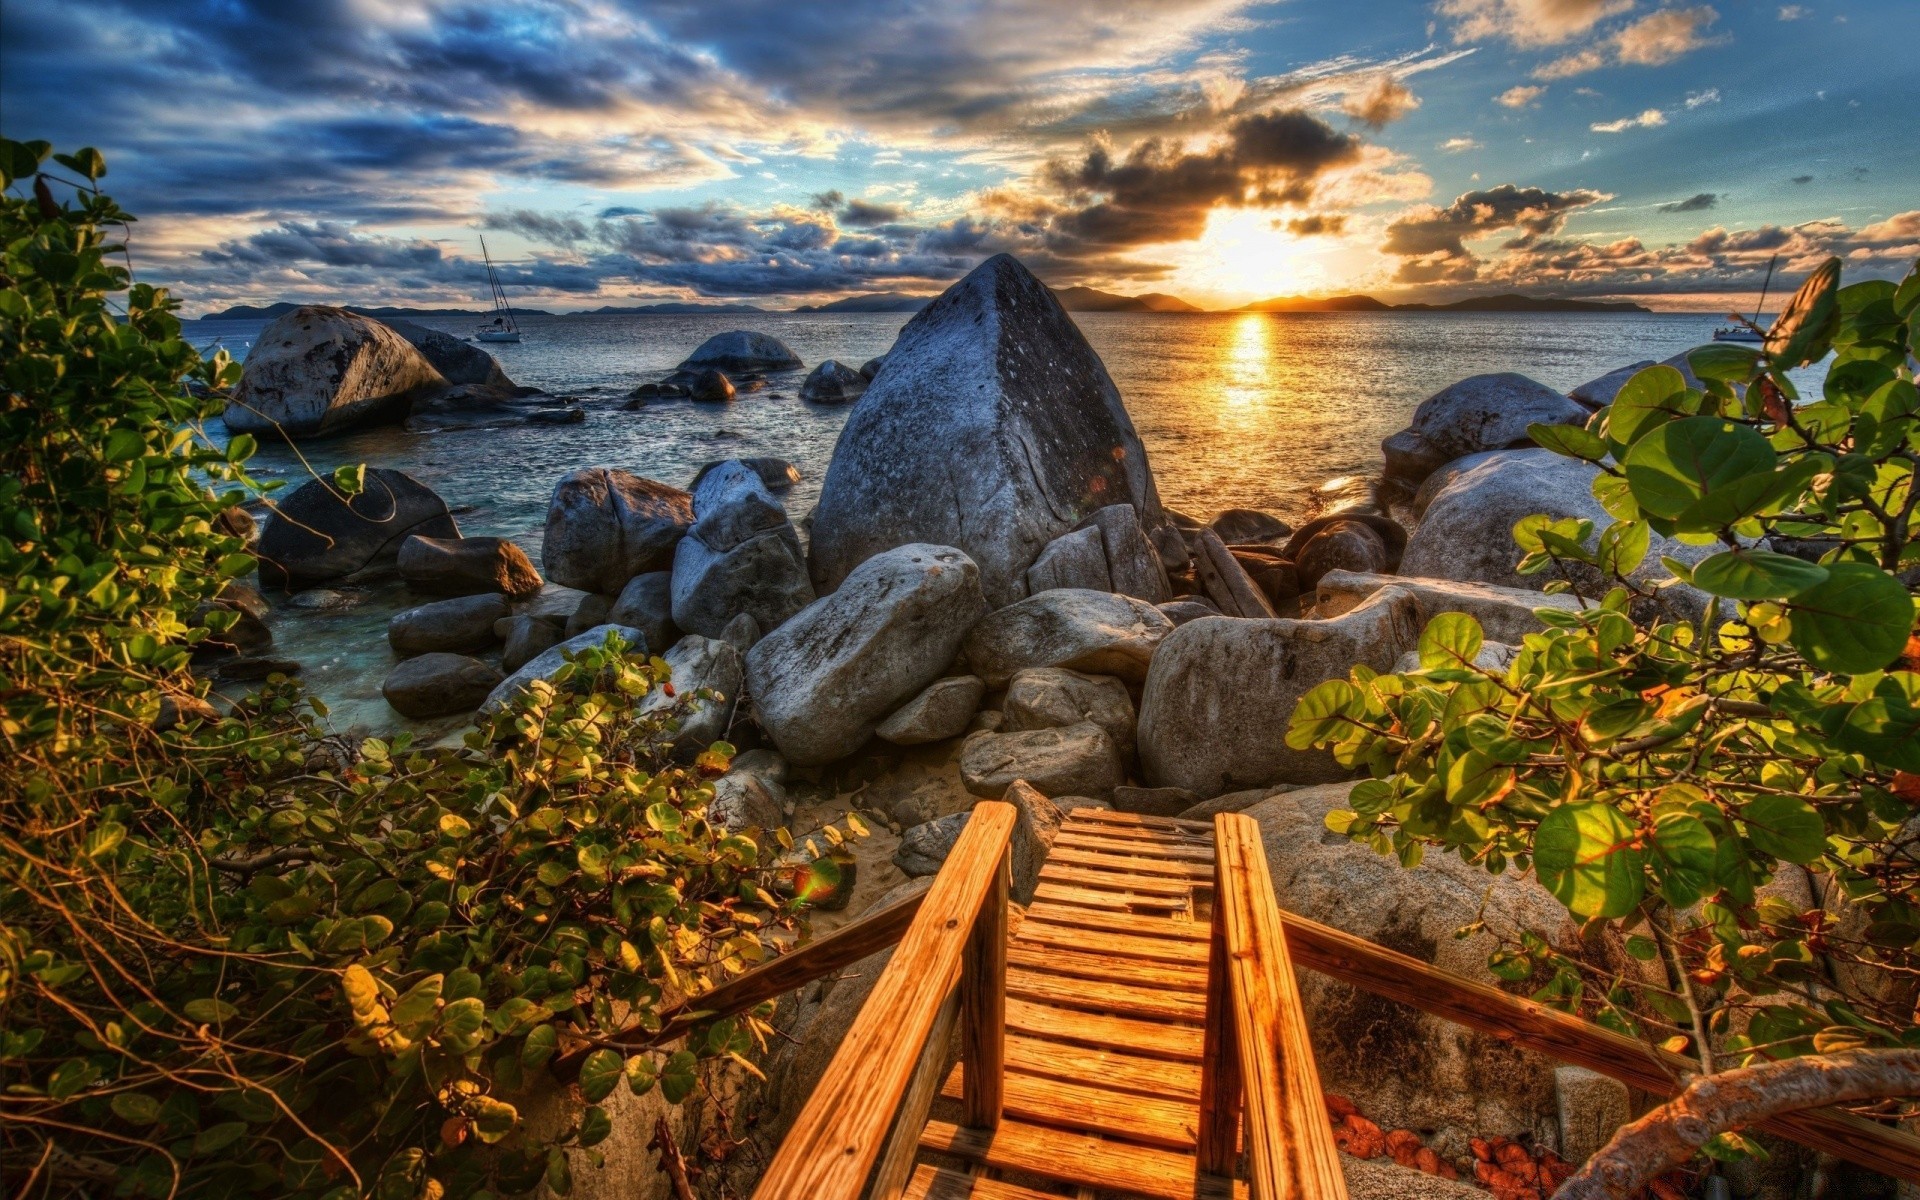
x=783, y=153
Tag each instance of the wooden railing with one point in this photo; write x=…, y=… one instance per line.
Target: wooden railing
x=859, y=1130
x=1256, y=1055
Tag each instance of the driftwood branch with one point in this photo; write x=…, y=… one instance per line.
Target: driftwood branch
x=1713, y=1104
x=671, y=1161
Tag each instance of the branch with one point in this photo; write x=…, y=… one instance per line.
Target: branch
x=272, y=858
x=670, y=1159
x=1713, y=1104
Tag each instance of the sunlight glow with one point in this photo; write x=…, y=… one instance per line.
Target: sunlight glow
x=1243, y=256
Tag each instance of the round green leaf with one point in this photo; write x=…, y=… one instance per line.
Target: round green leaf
x=1724, y=360
x=1684, y=852
x=1651, y=398
x=1570, y=440
x=1321, y=715
x=1785, y=827
x=1682, y=461
x=1756, y=575
x=601, y=1070
x=1857, y=620
x=1450, y=640
x=1583, y=856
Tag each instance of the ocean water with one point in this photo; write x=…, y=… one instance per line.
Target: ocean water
x=1235, y=410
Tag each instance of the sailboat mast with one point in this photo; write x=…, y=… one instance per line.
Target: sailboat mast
x=1763, y=289
x=493, y=282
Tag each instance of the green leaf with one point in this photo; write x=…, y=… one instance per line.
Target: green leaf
x=1623, y=547
x=216, y=1138
x=1475, y=778
x=1649, y=399
x=1857, y=620
x=350, y=479
x=1801, y=332
x=1725, y=361
x=1321, y=715
x=539, y=1047
x=124, y=445
x=136, y=1108
x=1680, y=462
x=641, y=1074
x=1449, y=640
x=1756, y=574
x=595, y=1126
x=1684, y=852
x=1785, y=827
x=598, y=1074
x=678, y=1078
x=1583, y=855
x=209, y=1011
x=1570, y=440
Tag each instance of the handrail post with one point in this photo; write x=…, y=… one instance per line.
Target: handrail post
x=1217, y=1148
x=983, y=1005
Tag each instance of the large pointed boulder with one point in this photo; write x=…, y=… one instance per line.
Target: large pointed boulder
x=605, y=525
x=321, y=370
x=994, y=428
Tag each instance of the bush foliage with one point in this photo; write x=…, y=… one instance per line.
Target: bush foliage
x=236, y=957
x=1657, y=773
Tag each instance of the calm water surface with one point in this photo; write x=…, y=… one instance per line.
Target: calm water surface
x=1235, y=410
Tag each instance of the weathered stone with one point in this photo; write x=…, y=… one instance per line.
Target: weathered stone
x=1187, y=608
x=320, y=370
x=741, y=632
x=559, y=414
x=1213, y=716
x=743, y=350
x=1249, y=526
x=438, y=684
x=1393, y=535
x=709, y=386
x=1592, y=1108
x=776, y=473
x=925, y=846
x=1053, y=698
x=764, y=577
x=316, y=534
x=463, y=623
x=991, y=428
x=1598, y=393
x=1492, y=656
x=1224, y=580
x=591, y=611
x=871, y=367
x=464, y=566
x=833, y=383
x=604, y=526
x=458, y=361
x=1340, y=546
x=1231, y=802
x=524, y=638
x=1154, y=801
x=1479, y=413
x=1079, y=760
x=1072, y=560
x=646, y=604
x=545, y=663
x=1097, y=632
x=823, y=680
x=1134, y=566
x=762, y=762
x=696, y=664
x=941, y=711
x=742, y=800
x=1505, y=614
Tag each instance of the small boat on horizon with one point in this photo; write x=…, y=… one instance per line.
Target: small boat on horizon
x=1749, y=331
x=503, y=328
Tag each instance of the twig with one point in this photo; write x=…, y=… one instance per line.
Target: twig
x=670, y=1160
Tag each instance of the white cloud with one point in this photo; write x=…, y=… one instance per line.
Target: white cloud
x=1794, y=12
x=1645, y=120
x=1521, y=96
x=1697, y=99
x=1454, y=145
x=1568, y=65
x=1666, y=35
x=1384, y=99
x=1528, y=22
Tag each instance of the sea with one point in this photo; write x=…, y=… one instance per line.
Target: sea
x=1273, y=411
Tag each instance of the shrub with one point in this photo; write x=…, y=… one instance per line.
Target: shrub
x=1656, y=775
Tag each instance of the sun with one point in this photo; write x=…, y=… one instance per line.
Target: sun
x=1248, y=254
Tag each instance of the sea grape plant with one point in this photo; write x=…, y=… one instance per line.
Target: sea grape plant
x=1655, y=772
x=239, y=957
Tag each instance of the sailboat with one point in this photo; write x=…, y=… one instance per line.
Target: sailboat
x=502, y=328
x=1749, y=332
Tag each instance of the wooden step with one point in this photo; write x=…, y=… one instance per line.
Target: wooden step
x=1077, y=1158
x=1114, y=881
x=1150, y=1039
x=1113, y=1069
x=938, y=1183
x=1115, y=901
x=1131, y=863
x=1126, y=945
x=1152, y=845
x=1122, y=999
x=1154, y=925
x=1148, y=1120
x=1053, y=960
x=1108, y=816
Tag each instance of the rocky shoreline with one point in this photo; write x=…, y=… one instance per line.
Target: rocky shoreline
x=989, y=590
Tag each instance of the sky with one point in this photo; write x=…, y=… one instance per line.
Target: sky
x=785, y=152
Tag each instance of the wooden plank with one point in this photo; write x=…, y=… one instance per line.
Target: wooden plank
x=896, y=1158
x=1150, y=845
x=1124, y=999
x=1155, y=949
x=938, y=1183
x=1114, y=881
x=1109, y=816
x=1052, y=960
x=1149, y=1039
x=1074, y=1158
x=1117, y=901
x=983, y=999
x=1152, y=925
x=1217, y=1150
x=1148, y=1120
x=1131, y=864
x=1290, y=1150
x=1113, y=1069
x=1559, y=1035
x=796, y=968
x=837, y=1137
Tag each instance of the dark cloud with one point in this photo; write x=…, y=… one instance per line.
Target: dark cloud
x=869, y=212
x=1803, y=179
x=1385, y=100
x=1432, y=241
x=1316, y=224
x=1698, y=202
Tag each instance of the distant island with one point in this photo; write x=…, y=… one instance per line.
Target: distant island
x=1073, y=299
x=873, y=302
x=249, y=312
x=1510, y=302
x=671, y=308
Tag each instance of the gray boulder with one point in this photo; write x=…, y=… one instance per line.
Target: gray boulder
x=591, y=611
x=1079, y=760
x=743, y=350
x=871, y=367
x=743, y=800
x=943, y=710
x=777, y=473
x=822, y=681
x=1097, y=632
x=1340, y=546
x=741, y=632
x=699, y=664
x=1037, y=821
x=545, y=663
x=1188, y=608
x=1598, y=393
x=925, y=846
x=438, y=685
x=463, y=623
x=1505, y=614
x=465, y=566
x=524, y=637
x=1054, y=697
x=1135, y=567
x=1072, y=560
x=1154, y=801
x=833, y=382
x=1481, y=412
x=1213, y=716
x=742, y=555
x=458, y=361
x=646, y=604
x=320, y=370
x=993, y=428
x=604, y=526
x=1249, y=527
x=316, y=534
x=1466, y=532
